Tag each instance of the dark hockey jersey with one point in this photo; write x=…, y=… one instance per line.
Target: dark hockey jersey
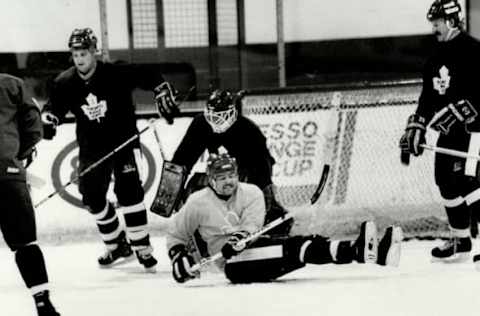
x=20, y=126
x=243, y=140
x=450, y=75
x=103, y=105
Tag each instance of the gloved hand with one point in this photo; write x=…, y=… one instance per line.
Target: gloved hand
x=233, y=247
x=415, y=134
x=404, y=152
x=182, y=263
x=50, y=123
x=165, y=101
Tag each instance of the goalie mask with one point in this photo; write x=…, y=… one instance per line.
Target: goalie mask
x=222, y=172
x=449, y=10
x=221, y=111
x=82, y=39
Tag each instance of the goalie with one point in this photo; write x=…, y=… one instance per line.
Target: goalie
x=221, y=125
x=449, y=103
x=227, y=211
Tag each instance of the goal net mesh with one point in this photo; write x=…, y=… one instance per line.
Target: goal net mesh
x=356, y=129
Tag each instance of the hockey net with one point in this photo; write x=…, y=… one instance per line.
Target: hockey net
x=356, y=128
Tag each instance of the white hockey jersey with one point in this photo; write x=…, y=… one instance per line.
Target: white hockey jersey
x=215, y=219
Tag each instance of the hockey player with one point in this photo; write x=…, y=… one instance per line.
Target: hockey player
x=227, y=211
x=20, y=130
x=100, y=97
x=449, y=102
x=221, y=125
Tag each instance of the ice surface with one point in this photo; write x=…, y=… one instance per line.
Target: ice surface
x=79, y=287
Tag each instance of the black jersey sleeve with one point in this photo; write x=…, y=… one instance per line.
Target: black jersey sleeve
x=29, y=123
x=193, y=143
x=426, y=106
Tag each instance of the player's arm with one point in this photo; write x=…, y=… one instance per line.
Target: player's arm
x=181, y=229
x=251, y=220
x=147, y=77
x=30, y=126
x=193, y=144
x=55, y=110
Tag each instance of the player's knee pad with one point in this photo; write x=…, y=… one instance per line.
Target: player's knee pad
x=95, y=202
x=129, y=195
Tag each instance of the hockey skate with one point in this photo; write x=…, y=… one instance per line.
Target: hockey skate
x=120, y=255
x=366, y=245
x=43, y=304
x=389, y=248
x=454, y=250
x=145, y=258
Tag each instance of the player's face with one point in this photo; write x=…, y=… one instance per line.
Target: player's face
x=84, y=60
x=226, y=183
x=441, y=30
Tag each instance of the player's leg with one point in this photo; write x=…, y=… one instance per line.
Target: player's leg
x=130, y=195
x=271, y=258
x=17, y=223
x=451, y=180
x=94, y=186
x=273, y=211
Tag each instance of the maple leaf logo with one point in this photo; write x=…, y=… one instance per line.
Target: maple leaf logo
x=94, y=109
x=442, y=83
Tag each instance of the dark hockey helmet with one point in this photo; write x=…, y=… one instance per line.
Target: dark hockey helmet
x=446, y=9
x=220, y=163
x=221, y=110
x=82, y=39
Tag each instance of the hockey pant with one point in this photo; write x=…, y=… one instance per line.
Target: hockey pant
x=17, y=223
x=269, y=258
x=129, y=192
x=457, y=180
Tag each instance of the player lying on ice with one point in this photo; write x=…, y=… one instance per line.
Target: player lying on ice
x=228, y=210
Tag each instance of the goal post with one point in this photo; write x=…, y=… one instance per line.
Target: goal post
x=357, y=128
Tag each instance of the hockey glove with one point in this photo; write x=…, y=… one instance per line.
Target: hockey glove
x=165, y=101
x=415, y=134
x=404, y=152
x=50, y=123
x=233, y=246
x=462, y=111
x=182, y=262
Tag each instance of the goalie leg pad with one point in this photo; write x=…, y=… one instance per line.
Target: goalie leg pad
x=169, y=189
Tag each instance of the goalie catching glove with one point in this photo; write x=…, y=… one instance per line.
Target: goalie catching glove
x=413, y=138
x=165, y=101
x=233, y=246
x=182, y=263
x=462, y=111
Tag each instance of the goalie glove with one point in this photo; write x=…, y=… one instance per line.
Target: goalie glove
x=233, y=246
x=50, y=123
x=414, y=135
x=165, y=101
x=462, y=111
x=182, y=263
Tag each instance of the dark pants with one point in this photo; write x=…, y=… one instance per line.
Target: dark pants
x=94, y=185
x=17, y=218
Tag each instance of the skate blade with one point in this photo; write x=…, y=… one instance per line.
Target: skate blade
x=394, y=253
x=457, y=258
x=119, y=262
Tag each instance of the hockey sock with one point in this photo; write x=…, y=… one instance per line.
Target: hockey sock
x=108, y=225
x=459, y=218
x=317, y=250
x=31, y=265
x=136, y=225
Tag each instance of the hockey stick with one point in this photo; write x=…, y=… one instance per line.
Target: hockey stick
x=269, y=226
x=450, y=152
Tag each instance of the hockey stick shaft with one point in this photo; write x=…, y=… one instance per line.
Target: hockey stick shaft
x=450, y=152
x=269, y=226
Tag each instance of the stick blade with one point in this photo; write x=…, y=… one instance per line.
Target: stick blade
x=321, y=184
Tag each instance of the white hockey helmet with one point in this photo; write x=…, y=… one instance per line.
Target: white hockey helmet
x=221, y=110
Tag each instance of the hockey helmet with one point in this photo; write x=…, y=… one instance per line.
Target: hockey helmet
x=446, y=9
x=82, y=39
x=220, y=163
x=221, y=111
